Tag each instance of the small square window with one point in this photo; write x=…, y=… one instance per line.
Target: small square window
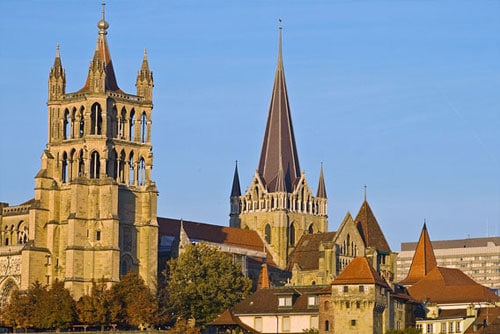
x=346, y=288
x=361, y=288
x=353, y=322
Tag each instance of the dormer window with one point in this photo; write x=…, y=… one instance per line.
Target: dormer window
x=285, y=301
x=312, y=301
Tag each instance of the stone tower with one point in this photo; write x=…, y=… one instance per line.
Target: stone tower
x=279, y=203
x=94, y=216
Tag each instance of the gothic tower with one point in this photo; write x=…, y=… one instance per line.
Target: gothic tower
x=95, y=212
x=279, y=203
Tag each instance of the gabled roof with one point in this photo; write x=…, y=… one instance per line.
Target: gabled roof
x=447, y=285
x=102, y=58
x=279, y=151
x=265, y=301
x=307, y=252
x=227, y=318
x=229, y=236
x=423, y=259
x=359, y=271
x=370, y=229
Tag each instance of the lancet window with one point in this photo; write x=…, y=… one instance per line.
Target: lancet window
x=267, y=231
x=96, y=119
x=95, y=165
x=132, y=125
x=67, y=125
x=141, y=172
x=64, y=168
x=81, y=122
x=144, y=127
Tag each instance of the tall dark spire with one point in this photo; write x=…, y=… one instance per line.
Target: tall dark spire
x=236, y=190
x=321, y=185
x=278, y=147
x=101, y=76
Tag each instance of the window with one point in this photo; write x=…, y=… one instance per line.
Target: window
x=95, y=119
x=141, y=174
x=312, y=301
x=327, y=325
x=285, y=301
x=429, y=328
x=450, y=327
x=353, y=322
x=346, y=288
x=95, y=165
x=348, y=304
x=457, y=327
x=443, y=327
x=292, y=235
x=267, y=233
x=286, y=324
x=98, y=236
x=144, y=129
x=361, y=288
x=258, y=324
x=314, y=321
x=358, y=305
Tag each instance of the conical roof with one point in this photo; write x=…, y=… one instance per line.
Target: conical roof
x=370, y=229
x=102, y=60
x=278, y=147
x=423, y=261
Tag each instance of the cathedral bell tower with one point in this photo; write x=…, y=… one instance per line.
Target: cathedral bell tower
x=279, y=203
x=95, y=215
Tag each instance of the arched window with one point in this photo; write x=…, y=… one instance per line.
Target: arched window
x=142, y=172
x=327, y=325
x=111, y=165
x=81, y=164
x=81, y=117
x=291, y=235
x=96, y=119
x=121, y=167
x=122, y=123
x=131, y=124
x=144, y=127
x=95, y=165
x=348, y=244
x=310, y=229
x=267, y=232
x=67, y=125
x=131, y=168
x=64, y=168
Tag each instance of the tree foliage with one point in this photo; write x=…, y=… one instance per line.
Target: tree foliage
x=98, y=308
x=202, y=282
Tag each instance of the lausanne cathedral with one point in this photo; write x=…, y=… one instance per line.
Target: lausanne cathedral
x=94, y=213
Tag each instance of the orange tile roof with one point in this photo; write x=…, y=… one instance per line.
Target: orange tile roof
x=487, y=321
x=446, y=285
x=423, y=260
x=370, y=229
x=230, y=236
x=306, y=254
x=359, y=271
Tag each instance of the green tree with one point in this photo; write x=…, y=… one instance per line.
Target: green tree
x=26, y=308
x=138, y=305
x=61, y=306
x=202, y=282
x=99, y=308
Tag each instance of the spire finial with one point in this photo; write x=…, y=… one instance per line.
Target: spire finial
x=365, y=193
x=281, y=39
x=102, y=24
x=58, y=54
x=145, y=54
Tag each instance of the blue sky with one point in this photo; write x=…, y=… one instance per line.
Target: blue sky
x=402, y=96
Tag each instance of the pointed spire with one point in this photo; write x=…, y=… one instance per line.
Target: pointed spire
x=278, y=147
x=263, y=277
x=236, y=190
x=144, y=81
x=321, y=184
x=370, y=229
x=57, y=77
x=183, y=238
x=101, y=76
x=423, y=261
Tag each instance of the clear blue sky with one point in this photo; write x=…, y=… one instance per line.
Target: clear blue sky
x=403, y=96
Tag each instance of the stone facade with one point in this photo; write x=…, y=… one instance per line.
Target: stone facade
x=93, y=216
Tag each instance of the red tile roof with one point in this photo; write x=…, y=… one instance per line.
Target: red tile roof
x=230, y=236
x=307, y=252
x=359, y=271
x=370, y=229
x=487, y=321
x=265, y=301
x=446, y=285
x=423, y=260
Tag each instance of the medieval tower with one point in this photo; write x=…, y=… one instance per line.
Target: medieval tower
x=94, y=212
x=279, y=203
